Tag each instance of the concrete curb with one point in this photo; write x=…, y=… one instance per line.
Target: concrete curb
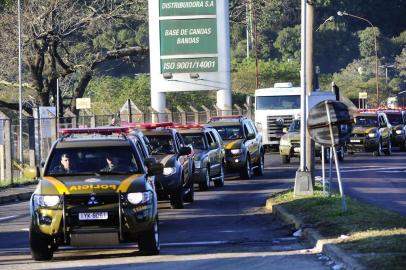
x=313, y=236
x=24, y=196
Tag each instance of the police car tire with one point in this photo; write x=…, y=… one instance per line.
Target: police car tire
x=176, y=198
x=190, y=196
x=41, y=247
x=259, y=171
x=403, y=146
x=246, y=171
x=220, y=182
x=388, y=150
x=149, y=243
x=205, y=185
x=378, y=152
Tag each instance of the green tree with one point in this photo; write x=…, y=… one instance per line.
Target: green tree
x=288, y=42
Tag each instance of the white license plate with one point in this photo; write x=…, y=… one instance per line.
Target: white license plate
x=355, y=140
x=296, y=149
x=93, y=216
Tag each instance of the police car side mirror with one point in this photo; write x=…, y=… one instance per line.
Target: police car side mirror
x=155, y=169
x=184, y=151
x=251, y=136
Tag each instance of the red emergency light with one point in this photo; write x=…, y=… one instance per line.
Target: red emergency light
x=98, y=130
x=188, y=126
x=147, y=125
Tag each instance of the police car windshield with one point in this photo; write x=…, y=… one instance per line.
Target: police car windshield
x=196, y=140
x=161, y=144
x=92, y=160
x=366, y=121
x=230, y=132
x=395, y=118
x=295, y=126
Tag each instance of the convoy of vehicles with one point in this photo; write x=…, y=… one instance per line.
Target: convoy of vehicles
x=242, y=143
x=397, y=119
x=97, y=188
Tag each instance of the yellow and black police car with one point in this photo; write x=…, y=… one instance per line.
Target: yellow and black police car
x=96, y=188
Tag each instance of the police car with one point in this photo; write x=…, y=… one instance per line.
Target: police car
x=97, y=188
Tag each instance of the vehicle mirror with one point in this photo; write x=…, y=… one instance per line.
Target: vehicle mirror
x=251, y=136
x=155, y=169
x=285, y=130
x=149, y=161
x=184, y=151
x=213, y=145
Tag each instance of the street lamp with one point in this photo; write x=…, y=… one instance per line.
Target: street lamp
x=20, y=101
x=343, y=13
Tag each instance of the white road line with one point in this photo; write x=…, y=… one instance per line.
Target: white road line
x=7, y=218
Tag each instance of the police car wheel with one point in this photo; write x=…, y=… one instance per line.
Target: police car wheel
x=176, y=196
x=259, y=171
x=378, y=152
x=149, y=243
x=403, y=146
x=190, y=195
x=41, y=247
x=246, y=172
x=388, y=150
x=220, y=182
x=205, y=185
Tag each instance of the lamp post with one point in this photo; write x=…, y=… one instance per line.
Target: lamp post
x=343, y=13
x=329, y=19
x=20, y=102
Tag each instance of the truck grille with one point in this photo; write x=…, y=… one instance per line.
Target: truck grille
x=275, y=125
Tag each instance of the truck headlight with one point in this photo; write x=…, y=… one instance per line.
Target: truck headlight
x=398, y=131
x=198, y=164
x=236, y=151
x=169, y=171
x=139, y=197
x=46, y=200
x=371, y=135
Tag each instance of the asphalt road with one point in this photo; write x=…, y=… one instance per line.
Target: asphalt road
x=226, y=228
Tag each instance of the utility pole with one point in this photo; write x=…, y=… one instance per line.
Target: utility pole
x=310, y=80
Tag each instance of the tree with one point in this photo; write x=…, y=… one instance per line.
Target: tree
x=61, y=41
x=288, y=42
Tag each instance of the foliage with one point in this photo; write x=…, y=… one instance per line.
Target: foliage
x=288, y=42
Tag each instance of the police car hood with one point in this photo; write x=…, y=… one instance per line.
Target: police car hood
x=83, y=184
x=291, y=136
x=233, y=144
x=362, y=130
x=166, y=160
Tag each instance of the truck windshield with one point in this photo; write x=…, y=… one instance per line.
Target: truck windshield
x=278, y=102
x=395, y=118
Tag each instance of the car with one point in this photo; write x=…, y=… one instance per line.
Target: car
x=289, y=145
x=97, y=188
x=371, y=132
x=244, y=152
x=397, y=119
x=208, y=154
x=168, y=147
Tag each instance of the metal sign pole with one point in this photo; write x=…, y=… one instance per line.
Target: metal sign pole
x=330, y=173
x=343, y=203
x=323, y=171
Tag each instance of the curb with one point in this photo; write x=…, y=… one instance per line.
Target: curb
x=313, y=236
x=24, y=196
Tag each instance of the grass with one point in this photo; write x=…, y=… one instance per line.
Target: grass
x=376, y=237
x=17, y=182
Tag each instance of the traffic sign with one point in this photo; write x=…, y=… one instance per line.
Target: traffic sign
x=83, y=103
x=330, y=123
x=362, y=95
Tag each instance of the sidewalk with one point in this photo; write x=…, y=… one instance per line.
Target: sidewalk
x=16, y=194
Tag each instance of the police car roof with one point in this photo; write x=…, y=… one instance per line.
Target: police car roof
x=92, y=142
x=225, y=124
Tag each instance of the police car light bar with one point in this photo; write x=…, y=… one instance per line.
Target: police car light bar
x=147, y=126
x=98, y=130
x=188, y=126
x=217, y=118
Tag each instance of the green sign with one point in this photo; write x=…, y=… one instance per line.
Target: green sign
x=188, y=36
x=186, y=7
x=187, y=65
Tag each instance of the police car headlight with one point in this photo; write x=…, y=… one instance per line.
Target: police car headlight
x=198, y=164
x=169, y=171
x=139, y=197
x=46, y=200
x=398, y=131
x=371, y=135
x=236, y=151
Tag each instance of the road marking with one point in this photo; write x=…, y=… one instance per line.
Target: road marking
x=7, y=218
x=25, y=229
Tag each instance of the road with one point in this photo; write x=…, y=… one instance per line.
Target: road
x=226, y=228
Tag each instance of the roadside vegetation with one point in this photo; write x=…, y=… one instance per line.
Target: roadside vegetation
x=373, y=236
x=17, y=182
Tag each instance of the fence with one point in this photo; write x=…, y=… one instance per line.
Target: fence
x=39, y=132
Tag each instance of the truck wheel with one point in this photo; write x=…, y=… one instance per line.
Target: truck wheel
x=148, y=242
x=205, y=185
x=285, y=159
x=41, y=246
x=220, y=182
x=176, y=197
x=190, y=196
x=259, y=171
x=246, y=171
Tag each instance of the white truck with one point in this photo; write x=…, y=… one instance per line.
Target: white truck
x=275, y=109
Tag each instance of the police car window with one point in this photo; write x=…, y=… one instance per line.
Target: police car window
x=253, y=127
x=395, y=118
x=195, y=139
x=366, y=121
x=141, y=149
x=161, y=144
x=216, y=136
x=212, y=138
x=230, y=132
x=249, y=128
x=92, y=160
x=382, y=120
x=179, y=140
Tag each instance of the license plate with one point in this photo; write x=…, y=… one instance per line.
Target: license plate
x=355, y=140
x=93, y=216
